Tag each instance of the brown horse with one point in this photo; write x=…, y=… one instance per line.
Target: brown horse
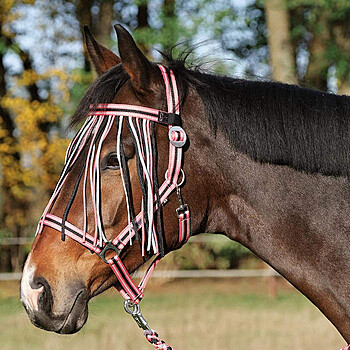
x=266, y=164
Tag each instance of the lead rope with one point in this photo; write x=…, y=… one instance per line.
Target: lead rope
x=346, y=348
x=151, y=335
x=153, y=338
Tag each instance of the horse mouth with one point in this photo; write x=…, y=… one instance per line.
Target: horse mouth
x=77, y=315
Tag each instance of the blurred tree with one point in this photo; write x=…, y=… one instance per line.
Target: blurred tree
x=319, y=33
x=341, y=33
x=105, y=20
x=213, y=253
x=170, y=28
x=142, y=27
x=84, y=16
x=326, y=34
x=99, y=15
x=31, y=153
x=317, y=69
x=281, y=50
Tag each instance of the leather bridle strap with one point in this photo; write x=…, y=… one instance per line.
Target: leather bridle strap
x=177, y=139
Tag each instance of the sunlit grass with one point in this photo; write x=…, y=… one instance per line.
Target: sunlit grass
x=189, y=315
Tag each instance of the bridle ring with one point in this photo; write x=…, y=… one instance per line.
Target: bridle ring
x=182, y=178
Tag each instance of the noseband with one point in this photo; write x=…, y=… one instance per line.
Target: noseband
x=147, y=226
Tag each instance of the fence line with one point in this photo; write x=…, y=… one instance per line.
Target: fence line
x=239, y=273
x=232, y=273
x=6, y=241
x=206, y=238
x=10, y=276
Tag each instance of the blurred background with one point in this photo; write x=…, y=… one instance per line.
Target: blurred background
x=44, y=72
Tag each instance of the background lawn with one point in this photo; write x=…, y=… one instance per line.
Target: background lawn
x=189, y=314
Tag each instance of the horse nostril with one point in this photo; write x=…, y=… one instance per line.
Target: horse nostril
x=44, y=293
x=42, y=297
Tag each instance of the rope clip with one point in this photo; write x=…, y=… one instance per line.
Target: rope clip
x=182, y=207
x=134, y=310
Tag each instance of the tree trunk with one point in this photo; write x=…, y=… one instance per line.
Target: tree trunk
x=281, y=49
x=341, y=34
x=105, y=21
x=84, y=17
x=317, y=71
x=142, y=24
x=169, y=8
x=8, y=206
x=169, y=24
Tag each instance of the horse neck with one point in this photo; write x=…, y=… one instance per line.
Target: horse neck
x=294, y=221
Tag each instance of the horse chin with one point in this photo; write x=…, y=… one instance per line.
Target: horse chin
x=76, y=317
x=72, y=324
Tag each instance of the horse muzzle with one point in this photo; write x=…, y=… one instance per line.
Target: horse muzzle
x=39, y=303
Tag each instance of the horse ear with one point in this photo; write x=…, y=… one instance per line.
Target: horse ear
x=133, y=60
x=102, y=58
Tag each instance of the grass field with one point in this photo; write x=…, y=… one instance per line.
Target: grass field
x=189, y=314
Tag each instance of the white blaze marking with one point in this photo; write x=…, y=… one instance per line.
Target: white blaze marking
x=29, y=296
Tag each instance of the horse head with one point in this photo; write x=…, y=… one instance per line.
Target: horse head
x=103, y=187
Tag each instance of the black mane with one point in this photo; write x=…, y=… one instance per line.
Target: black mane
x=275, y=123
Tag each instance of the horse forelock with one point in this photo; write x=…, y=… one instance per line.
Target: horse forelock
x=102, y=90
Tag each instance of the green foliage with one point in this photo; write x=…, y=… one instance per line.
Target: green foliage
x=81, y=82
x=328, y=20
x=167, y=36
x=217, y=253
x=243, y=32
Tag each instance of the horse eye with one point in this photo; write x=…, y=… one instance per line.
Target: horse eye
x=112, y=162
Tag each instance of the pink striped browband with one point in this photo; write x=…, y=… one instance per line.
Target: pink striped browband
x=148, y=222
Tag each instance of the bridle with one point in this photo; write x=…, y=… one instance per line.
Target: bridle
x=148, y=223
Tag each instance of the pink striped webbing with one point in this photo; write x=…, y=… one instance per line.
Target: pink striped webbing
x=128, y=288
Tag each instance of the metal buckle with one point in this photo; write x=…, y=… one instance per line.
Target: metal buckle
x=182, y=209
x=177, y=144
x=108, y=246
x=134, y=310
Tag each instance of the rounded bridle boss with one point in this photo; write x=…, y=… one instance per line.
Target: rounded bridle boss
x=147, y=226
